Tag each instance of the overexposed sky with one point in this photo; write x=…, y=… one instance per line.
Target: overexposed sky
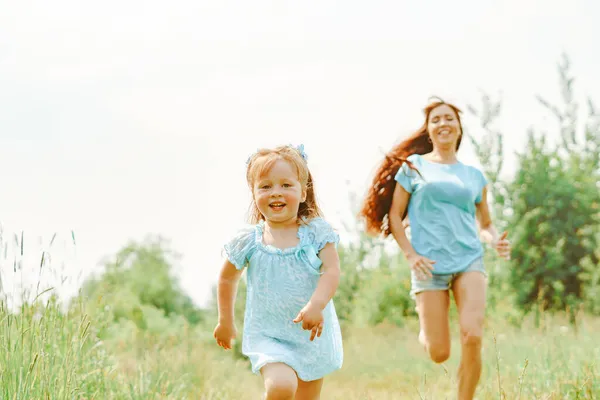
x=119, y=118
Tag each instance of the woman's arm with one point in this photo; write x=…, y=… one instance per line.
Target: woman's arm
x=421, y=265
x=488, y=231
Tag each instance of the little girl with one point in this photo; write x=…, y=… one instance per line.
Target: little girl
x=293, y=273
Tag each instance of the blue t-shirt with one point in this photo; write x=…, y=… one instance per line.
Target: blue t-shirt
x=442, y=212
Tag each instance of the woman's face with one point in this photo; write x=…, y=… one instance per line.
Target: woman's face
x=443, y=127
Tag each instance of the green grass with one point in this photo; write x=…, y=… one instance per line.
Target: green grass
x=47, y=354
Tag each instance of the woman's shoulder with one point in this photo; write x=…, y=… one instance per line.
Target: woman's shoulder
x=475, y=174
x=415, y=157
x=406, y=170
x=416, y=160
x=473, y=169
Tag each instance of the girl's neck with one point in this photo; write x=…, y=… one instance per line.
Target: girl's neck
x=282, y=235
x=281, y=225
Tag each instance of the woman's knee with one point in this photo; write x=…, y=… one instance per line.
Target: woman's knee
x=438, y=352
x=472, y=330
x=472, y=338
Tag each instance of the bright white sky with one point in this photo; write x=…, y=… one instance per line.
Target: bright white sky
x=121, y=118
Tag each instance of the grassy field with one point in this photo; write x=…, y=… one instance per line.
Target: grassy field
x=50, y=355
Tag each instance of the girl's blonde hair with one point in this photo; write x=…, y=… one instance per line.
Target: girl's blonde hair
x=261, y=161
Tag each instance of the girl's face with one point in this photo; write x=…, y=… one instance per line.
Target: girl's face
x=443, y=127
x=278, y=193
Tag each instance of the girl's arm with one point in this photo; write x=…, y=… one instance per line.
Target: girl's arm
x=227, y=290
x=330, y=278
x=312, y=314
x=226, y=293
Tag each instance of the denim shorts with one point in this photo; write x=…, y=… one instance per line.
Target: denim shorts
x=443, y=281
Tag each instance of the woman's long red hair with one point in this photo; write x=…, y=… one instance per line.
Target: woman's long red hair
x=376, y=205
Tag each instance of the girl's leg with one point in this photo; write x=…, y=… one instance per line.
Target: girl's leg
x=280, y=380
x=469, y=293
x=432, y=307
x=309, y=390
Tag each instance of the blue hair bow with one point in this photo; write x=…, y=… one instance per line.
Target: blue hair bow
x=300, y=149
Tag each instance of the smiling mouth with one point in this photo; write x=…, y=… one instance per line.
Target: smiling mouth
x=444, y=132
x=277, y=206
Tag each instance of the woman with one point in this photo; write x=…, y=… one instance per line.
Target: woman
x=446, y=202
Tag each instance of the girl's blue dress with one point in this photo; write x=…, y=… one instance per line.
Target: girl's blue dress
x=279, y=284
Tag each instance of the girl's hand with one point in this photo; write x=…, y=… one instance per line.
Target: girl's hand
x=502, y=246
x=224, y=333
x=422, y=266
x=312, y=319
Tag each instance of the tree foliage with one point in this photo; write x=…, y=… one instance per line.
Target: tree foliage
x=139, y=284
x=552, y=202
